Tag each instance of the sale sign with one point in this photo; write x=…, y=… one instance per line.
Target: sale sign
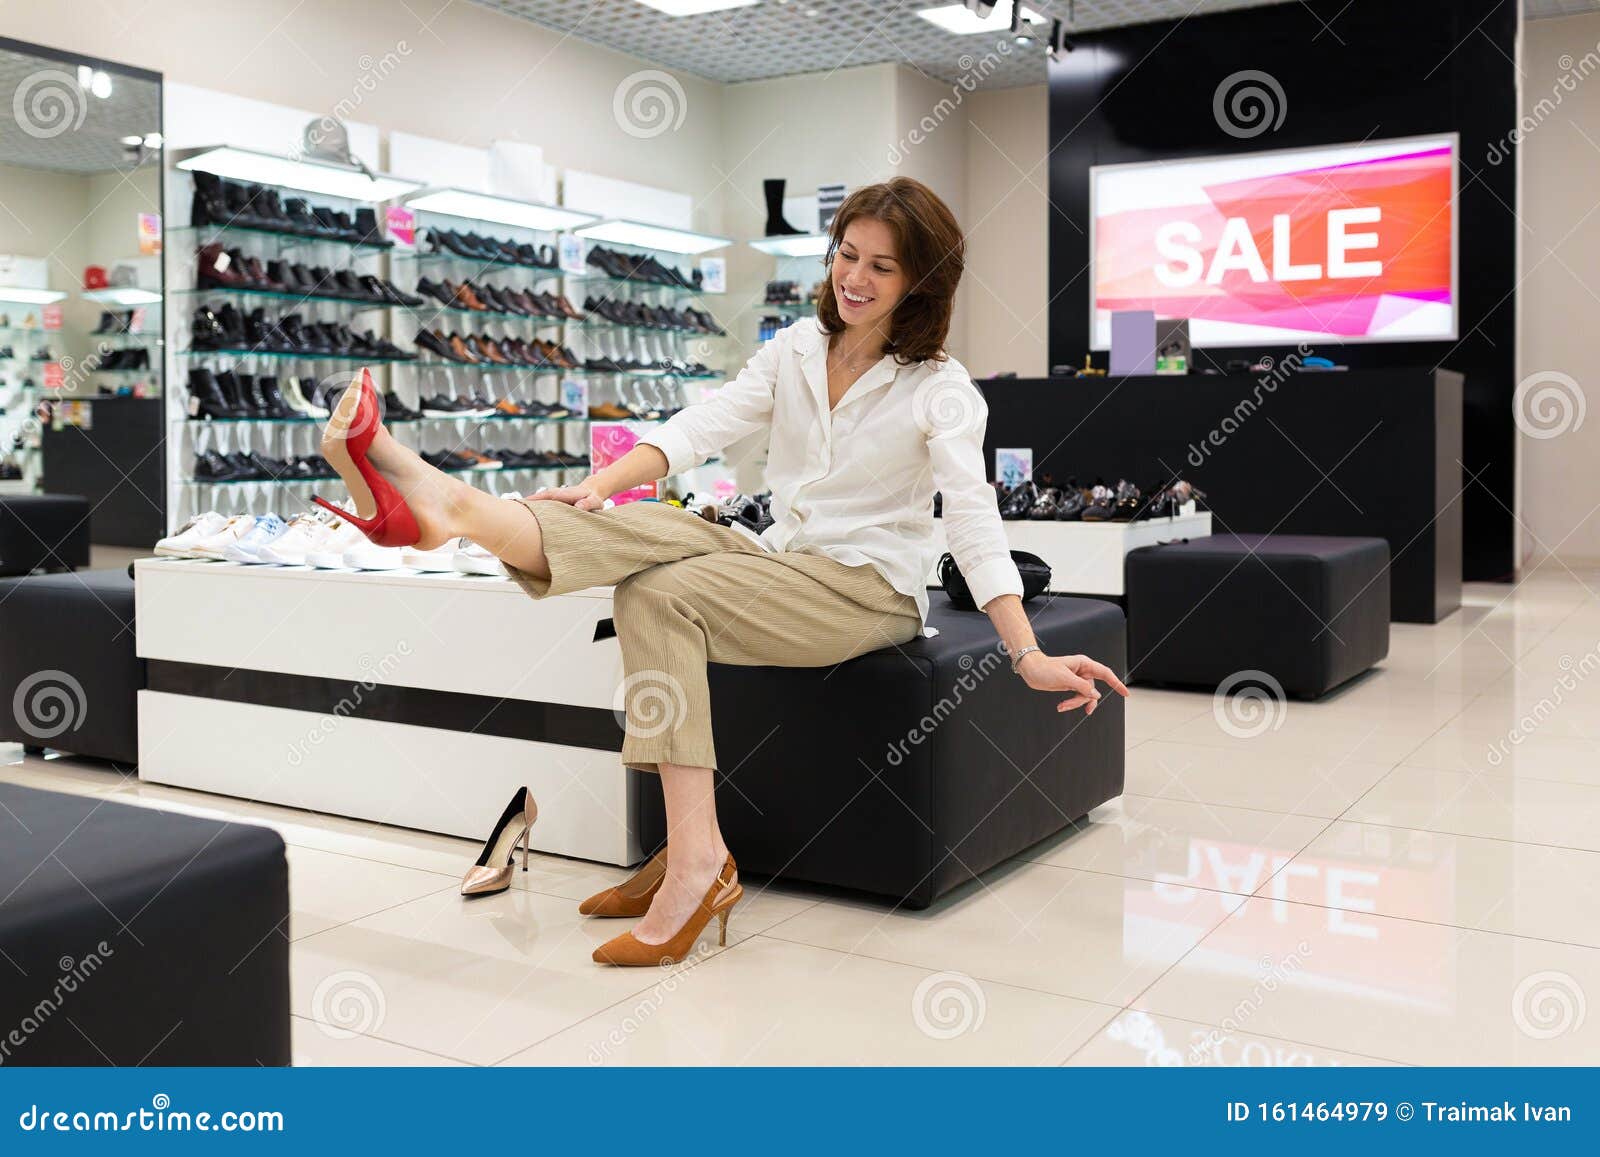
x=1353, y=243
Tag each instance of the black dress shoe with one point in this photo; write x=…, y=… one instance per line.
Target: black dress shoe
x=434, y=344
x=1101, y=504
x=1019, y=501
x=205, y=399
x=206, y=331
x=368, y=231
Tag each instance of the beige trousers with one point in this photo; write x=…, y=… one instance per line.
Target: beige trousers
x=690, y=592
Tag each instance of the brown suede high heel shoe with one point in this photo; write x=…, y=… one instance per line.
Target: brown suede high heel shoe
x=631, y=897
x=630, y=952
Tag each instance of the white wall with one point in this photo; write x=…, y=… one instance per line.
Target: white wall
x=1559, y=299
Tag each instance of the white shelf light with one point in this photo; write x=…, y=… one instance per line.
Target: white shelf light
x=504, y=210
x=329, y=178
x=122, y=295
x=794, y=245
x=617, y=231
x=25, y=295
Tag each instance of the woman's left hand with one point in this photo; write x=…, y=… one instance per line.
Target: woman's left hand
x=1074, y=673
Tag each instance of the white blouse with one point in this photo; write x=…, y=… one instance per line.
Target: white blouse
x=857, y=484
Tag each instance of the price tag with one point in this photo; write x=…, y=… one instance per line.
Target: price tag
x=570, y=254
x=51, y=315
x=402, y=224
x=575, y=396
x=54, y=377
x=714, y=274
x=149, y=234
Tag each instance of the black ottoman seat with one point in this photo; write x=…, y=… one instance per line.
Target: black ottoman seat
x=135, y=936
x=1310, y=611
x=43, y=532
x=908, y=771
x=69, y=671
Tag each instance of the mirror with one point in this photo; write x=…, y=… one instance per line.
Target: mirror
x=81, y=365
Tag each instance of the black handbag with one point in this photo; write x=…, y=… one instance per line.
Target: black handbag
x=1034, y=570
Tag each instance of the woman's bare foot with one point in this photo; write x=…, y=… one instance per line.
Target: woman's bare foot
x=435, y=498
x=682, y=890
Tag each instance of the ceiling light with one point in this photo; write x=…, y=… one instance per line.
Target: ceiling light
x=329, y=178
x=23, y=295
x=101, y=85
x=955, y=18
x=642, y=236
x=85, y=76
x=504, y=210
x=793, y=245
x=152, y=140
x=132, y=141
x=695, y=7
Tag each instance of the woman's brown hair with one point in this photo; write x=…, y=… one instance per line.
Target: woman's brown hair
x=931, y=251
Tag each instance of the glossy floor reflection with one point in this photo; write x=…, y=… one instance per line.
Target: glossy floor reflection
x=1407, y=871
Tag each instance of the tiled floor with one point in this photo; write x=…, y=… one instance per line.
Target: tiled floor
x=1406, y=872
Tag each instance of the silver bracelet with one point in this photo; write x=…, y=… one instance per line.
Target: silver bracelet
x=1017, y=656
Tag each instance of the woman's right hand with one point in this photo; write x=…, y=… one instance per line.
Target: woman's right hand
x=585, y=495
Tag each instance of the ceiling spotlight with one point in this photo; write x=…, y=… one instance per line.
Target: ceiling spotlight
x=132, y=141
x=101, y=85
x=1059, y=44
x=979, y=8
x=85, y=76
x=152, y=140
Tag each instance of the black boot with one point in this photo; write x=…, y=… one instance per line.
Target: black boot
x=776, y=225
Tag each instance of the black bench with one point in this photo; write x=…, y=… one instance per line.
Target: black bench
x=139, y=937
x=1309, y=611
x=69, y=674
x=907, y=772
x=43, y=532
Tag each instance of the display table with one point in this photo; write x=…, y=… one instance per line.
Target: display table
x=1085, y=558
x=421, y=700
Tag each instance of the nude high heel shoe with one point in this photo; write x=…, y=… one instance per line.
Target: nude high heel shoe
x=629, y=952
x=492, y=872
x=631, y=897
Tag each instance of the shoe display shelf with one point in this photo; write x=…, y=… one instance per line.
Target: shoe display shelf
x=21, y=464
x=305, y=259
x=1086, y=558
x=356, y=706
x=127, y=350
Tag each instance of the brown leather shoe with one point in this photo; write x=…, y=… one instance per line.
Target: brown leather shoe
x=609, y=412
x=631, y=897
x=462, y=351
x=568, y=308
x=487, y=351
x=466, y=298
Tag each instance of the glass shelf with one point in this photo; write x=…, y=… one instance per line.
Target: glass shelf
x=334, y=477
x=544, y=272
x=288, y=355
x=635, y=327
x=788, y=308
x=654, y=374
x=489, y=367
x=286, y=241
x=435, y=308
x=598, y=278
x=20, y=330
x=280, y=295
x=121, y=370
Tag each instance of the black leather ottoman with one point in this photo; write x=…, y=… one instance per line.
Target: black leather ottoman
x=1308, y=610
x=908, y=772
x=69, y=677
x=139, y=937
x=43, y=532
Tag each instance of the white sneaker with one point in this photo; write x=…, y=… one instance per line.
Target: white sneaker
x=471, y=558
x=439, y=559
x=267, y=528
x=329, y=553
x=366, y=555
x=234, y=529
x=181, y=543
x=304, y=533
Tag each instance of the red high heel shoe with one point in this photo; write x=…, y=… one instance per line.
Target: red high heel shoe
x=392, y=524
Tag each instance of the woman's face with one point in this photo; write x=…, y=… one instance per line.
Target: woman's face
x=868, y=279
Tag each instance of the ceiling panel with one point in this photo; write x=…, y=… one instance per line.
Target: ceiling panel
x=50, y=123
x=788, y=37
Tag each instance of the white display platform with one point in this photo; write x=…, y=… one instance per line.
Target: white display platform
x=1086, y=557
x=470, y=635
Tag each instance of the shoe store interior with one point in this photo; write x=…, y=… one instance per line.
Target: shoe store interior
x=1298, y=452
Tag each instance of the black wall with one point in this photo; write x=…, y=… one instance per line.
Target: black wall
x=1369, y=69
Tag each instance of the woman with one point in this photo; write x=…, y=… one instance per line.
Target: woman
x=866, y=418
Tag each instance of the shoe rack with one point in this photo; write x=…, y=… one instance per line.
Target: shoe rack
x=23, y=342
